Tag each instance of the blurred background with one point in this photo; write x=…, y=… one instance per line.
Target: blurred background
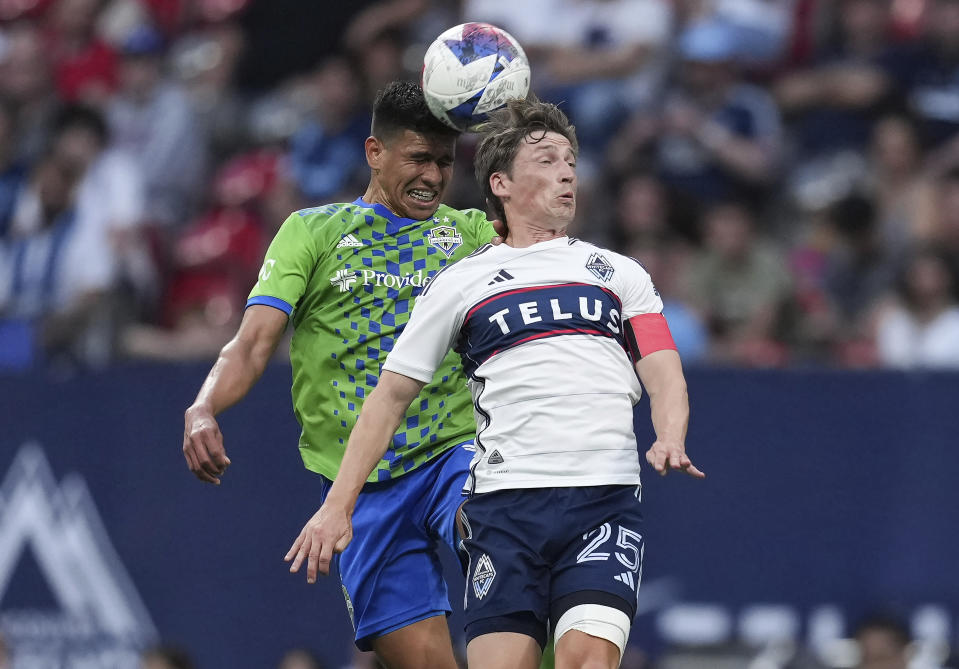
x=787, y=170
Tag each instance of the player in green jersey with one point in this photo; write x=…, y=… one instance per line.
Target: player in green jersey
x=346, y=275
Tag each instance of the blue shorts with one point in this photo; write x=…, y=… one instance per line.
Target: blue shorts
x=535, y=553
x=391, y=573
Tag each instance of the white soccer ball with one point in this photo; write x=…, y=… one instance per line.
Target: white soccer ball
x=471, y=70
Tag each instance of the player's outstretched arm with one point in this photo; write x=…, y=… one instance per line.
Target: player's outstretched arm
x=330, y=529
x=240, y=364
x=662, y=375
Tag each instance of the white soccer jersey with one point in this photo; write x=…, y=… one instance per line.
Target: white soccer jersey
x=540, y=332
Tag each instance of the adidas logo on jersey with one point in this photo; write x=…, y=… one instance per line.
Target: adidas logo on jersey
x=349, y=241
x=495, y=458
x=627, y=578
x=500, y=277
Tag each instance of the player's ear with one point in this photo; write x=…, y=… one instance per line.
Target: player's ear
x=499, y=184
x=374, y=152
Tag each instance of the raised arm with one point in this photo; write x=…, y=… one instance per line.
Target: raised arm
x=661, y=373
x=239, y=366
x=330, y=529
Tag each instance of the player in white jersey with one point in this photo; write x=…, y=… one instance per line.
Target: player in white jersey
x=552, y=332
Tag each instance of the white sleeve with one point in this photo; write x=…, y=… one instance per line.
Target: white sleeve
x=432, y=330
x=636, y=289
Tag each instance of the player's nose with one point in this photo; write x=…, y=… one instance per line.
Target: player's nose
x=432, y=175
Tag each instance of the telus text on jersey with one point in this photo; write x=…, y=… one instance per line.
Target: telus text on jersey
x=557, y=310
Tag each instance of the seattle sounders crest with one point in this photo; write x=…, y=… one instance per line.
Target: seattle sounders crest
x=445, y=238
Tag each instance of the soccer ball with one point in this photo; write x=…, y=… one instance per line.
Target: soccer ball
x=471, y=70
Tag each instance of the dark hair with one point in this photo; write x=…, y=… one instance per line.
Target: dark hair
x=399, y=106
x=175, y=657
x=951, y=175
x=505, y=131
x=917, y=254
x=885, y=622
x=854, y=216
x=305, y=655
x=81, y=116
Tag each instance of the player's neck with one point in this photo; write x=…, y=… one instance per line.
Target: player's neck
x=522, y=235
x=376, y=195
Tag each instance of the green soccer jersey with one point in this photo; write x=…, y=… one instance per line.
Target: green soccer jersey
x=348, y=275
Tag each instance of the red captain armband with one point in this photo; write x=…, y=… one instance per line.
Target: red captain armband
x=648, y=333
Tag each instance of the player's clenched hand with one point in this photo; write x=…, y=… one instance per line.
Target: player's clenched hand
x=203, y=445
x=328, y=531
x=664, y=456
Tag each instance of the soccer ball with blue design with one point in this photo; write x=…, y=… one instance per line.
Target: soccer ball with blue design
x=471, y=70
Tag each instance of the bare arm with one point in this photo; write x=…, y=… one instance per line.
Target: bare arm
x=379, y=18
x=747, y=158
x=239, y=366
x=661, y=373
x=572, y=65
x=330, y=529
x=850, y=86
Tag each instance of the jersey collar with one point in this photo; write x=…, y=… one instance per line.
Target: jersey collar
x=383, y=211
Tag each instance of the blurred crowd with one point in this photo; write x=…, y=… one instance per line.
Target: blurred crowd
x=787, y=170
x=879, y=641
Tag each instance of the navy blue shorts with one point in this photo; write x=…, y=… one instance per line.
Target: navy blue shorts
x=391, y=573
x=535, y=553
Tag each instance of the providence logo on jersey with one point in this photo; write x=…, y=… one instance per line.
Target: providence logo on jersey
x=345, y=278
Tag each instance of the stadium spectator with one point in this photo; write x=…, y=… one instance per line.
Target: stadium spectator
x=717, y=136
x=85, y=67
x=214, y=263
x=57, y=276
x=166, y=657
x=944, y=231
x=379, y=18
x=151, y=118
x=740, y=286
x=110, y=198
x=601, y=58
x=902, y=191
x=300, y=658
x=927, y=74
x=667, y=262
x=858, y=273
x=883, y=643
x=26, y=83
x=922, y=328
x=326, y=156
x=381, y=61
x=640, y=211
x=13, y=171
x=204, y=62
x=831, y=104
x=364, y=660
x=761, y=28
